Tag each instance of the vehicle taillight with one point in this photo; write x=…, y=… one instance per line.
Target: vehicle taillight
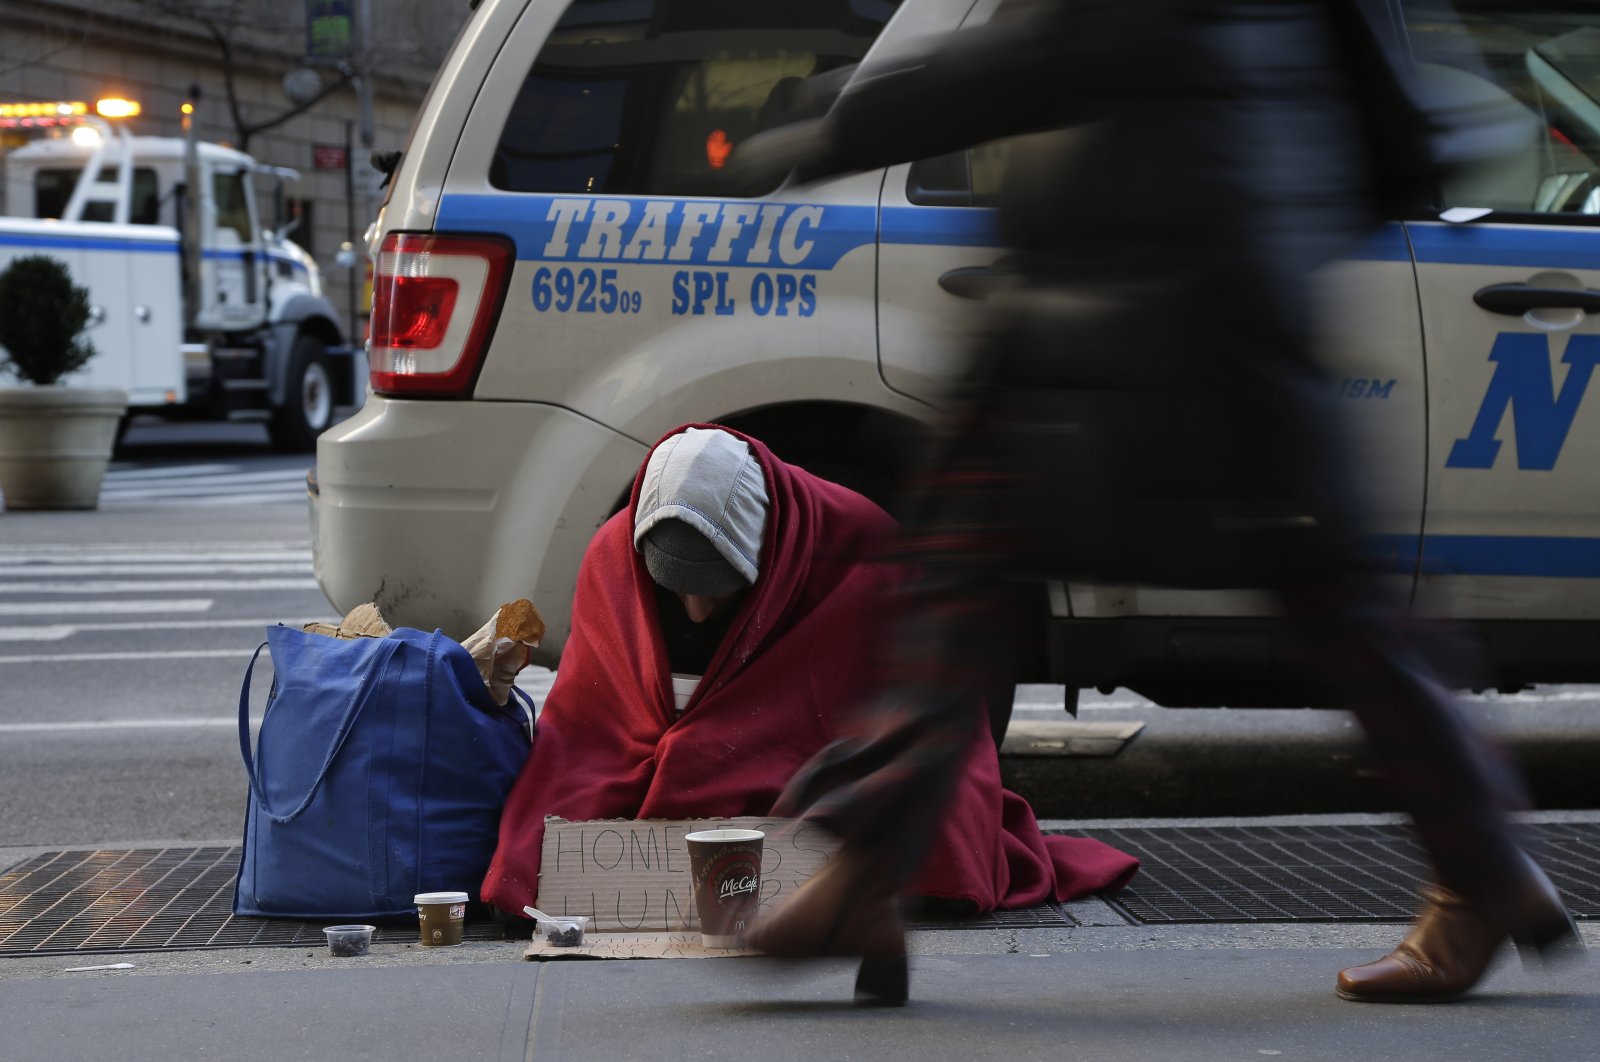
x=434, y=303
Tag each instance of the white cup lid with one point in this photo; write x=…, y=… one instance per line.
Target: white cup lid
x=724, y=835
x=439, y=897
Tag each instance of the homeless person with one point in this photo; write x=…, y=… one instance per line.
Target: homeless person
x=758, y=585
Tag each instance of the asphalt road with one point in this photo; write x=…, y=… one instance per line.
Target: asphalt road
x=125, y=632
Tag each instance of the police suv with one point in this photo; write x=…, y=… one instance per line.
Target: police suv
x=561, y=278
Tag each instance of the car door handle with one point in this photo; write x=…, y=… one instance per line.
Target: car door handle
x=1517, y=299
x=979, y=282
x=969, y=282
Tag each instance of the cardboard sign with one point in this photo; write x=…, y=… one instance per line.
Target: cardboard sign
x=633, y=875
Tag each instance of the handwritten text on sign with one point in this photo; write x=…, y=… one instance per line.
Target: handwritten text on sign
x=634, y=874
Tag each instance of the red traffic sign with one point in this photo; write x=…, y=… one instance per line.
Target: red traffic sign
x=329, y=156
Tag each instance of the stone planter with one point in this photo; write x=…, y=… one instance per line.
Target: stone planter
x=55, y=443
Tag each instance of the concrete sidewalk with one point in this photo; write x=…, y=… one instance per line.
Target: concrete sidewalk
x=1105, y=1001
x=1106, y=989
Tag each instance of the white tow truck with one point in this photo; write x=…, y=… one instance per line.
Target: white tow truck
x=198, y=309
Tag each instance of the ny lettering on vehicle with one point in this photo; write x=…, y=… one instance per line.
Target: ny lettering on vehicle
x=1523, y=385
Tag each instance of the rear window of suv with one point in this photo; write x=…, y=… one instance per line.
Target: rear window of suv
x=648, y=97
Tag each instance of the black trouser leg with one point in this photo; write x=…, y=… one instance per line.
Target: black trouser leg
x=1452, y=781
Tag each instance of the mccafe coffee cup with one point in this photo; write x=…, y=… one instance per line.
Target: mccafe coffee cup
x=441, y=916
x=726, y=867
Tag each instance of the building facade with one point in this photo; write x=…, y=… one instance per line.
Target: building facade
x=244, y=56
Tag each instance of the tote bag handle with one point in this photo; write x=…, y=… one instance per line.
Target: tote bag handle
x=358, y=700
x=526, y=704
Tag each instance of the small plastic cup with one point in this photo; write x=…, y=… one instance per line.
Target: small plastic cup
x=349, y=942
x=441, y=916
x=563, y=932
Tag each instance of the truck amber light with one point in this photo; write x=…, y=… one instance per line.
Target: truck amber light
x=116, y=107
x=434, y=303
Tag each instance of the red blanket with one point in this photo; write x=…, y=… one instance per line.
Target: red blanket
x=798, y=655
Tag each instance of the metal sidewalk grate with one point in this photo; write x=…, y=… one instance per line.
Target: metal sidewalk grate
x=148, y=899
x=88, y=902
x=1315, y=873
x=155, y=899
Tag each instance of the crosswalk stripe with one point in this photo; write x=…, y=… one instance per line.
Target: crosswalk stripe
x=207, y=567
x=202, y=487
x=186, y=549
x=95, y=658
x=165, y=554
x=215, y=473
x=44, y=565
x=203, y=501
x=205, y=484
x=79, y=608
x=55, y=632
x=156, y=585
x=118, y=724
x=116, y=473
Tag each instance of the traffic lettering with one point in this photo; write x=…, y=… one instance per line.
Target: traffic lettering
x=739, y=234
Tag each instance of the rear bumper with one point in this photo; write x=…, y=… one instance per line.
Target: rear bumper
x=1186, y=661
x=1246, y=662
x=441, y=511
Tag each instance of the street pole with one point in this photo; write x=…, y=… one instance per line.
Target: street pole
x=364, y=69
x=350, y=225
x=364, y=96
x=190, y=219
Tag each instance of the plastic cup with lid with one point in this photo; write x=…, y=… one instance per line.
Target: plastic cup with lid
x=441, y=916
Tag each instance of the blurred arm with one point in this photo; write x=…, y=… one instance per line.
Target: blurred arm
x=1045, y=70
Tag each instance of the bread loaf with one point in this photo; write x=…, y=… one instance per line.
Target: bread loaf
x=520, y=621
x=363, y=621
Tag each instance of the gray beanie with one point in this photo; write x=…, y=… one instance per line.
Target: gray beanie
x=702, y=513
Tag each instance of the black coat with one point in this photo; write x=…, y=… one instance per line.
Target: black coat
x=1154, y=368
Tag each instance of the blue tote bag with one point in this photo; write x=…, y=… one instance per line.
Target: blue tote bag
x=379, y=772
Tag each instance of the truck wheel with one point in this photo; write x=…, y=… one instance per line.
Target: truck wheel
x=307, y=408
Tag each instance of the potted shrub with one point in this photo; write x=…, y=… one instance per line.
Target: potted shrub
x=55, y=440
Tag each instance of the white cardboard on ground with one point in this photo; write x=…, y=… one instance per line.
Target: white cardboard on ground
x=632, y=876
x=631, y=946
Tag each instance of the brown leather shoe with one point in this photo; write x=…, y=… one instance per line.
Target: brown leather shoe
x=842, y=910
x=1453, y=942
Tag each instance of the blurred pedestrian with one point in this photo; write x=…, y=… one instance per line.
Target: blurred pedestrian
x=1148, y=410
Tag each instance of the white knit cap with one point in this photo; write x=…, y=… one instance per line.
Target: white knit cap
x=711, y=481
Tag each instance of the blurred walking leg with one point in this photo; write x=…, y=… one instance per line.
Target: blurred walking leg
x=882, y=789
x=1459, y=792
